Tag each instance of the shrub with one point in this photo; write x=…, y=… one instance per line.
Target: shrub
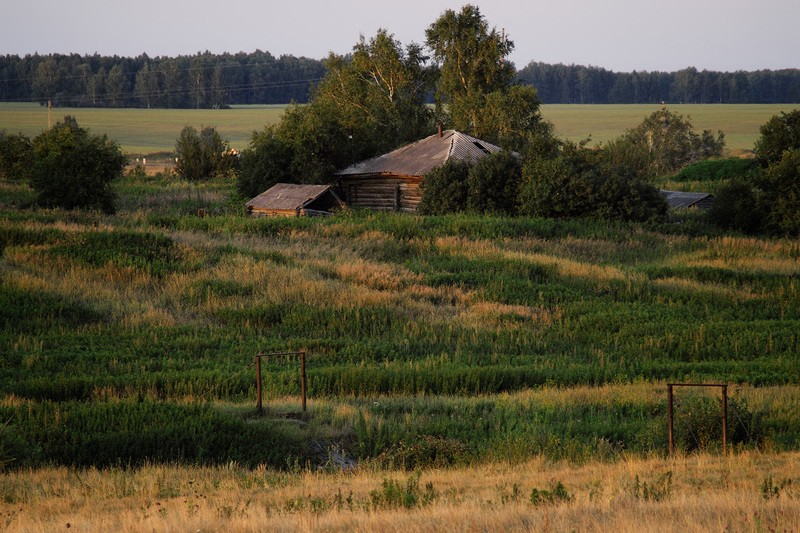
x=585, y=183
x=737, y=206
x=444, y=189
x=493, y=183
x=74, y=169
x=557, y=494
x=16, y=156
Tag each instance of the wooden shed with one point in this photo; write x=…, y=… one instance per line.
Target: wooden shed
x=391, y=181
x=686, y=200
x=291, y=200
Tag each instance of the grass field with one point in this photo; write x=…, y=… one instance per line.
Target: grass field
x=482, y=373
x=131, y=333
x=145, y=131
x=748, y=492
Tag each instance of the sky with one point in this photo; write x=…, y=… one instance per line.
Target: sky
x=619, y=35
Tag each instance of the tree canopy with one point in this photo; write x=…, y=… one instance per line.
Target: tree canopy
x=475, y=92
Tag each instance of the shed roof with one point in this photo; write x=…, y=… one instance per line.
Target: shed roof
x=288, y=196
x=420, y=157
x=679, y=199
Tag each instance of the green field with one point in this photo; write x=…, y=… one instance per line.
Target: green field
x=433, y=340
x=145, y=131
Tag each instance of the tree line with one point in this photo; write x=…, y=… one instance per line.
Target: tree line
x=203, y=80
x=575, y=84
x=207, y=80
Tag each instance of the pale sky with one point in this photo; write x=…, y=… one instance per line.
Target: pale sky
x=619, y=35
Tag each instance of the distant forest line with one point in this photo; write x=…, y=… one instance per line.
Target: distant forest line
x=218, y=80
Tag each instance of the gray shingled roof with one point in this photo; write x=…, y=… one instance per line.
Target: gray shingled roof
x=419, y=158
x=680, y=199
x=288, y=196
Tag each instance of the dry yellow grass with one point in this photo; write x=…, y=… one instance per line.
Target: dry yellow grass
x=706, y=493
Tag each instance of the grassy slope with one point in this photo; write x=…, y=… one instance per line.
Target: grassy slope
x=117, y=329
x=144, y=131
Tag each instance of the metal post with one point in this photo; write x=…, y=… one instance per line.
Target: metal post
x=724, y=418
x=258, y=383
x=669, y=418
x=303, y=377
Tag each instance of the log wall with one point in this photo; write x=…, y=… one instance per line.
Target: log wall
x=391, y=193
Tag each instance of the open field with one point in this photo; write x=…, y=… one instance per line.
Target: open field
x=135, y=333
x=145, y=131
x=742, y=492
x=740, y=123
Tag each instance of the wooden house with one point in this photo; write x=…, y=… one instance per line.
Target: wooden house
x=391, y=181
x=291, y=200
x=686, y=200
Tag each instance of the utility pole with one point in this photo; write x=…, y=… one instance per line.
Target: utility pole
x=49, y=114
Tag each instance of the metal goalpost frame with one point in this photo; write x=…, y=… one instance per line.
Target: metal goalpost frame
x=302, y=375
x=670, y=414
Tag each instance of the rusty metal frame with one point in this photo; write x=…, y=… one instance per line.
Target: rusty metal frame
x=670, y=414
x=302, y=375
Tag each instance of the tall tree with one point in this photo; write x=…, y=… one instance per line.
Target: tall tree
x=476, y=80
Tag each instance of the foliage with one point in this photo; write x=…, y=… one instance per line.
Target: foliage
x=203, y=155
x=586, y=183
x=16, y=156
x=556, y=494
x=738, y=205
x=780, y=133
x=493, y=183
x=445, y=189
x=717, y=170
x=393, y=496
x=475, y=84
x=666, y=142
x=73, y=168
x=264, y=163
x=366, y=104
x=780, y=184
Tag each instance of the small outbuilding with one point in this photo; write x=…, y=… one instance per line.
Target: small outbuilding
x=391, y=181
x=686, y=200
x=292, y=200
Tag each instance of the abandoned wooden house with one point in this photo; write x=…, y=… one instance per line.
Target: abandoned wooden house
x=686, y=200
x=391, y=181
x=291, y=200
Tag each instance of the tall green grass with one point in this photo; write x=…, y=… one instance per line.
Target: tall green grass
x=157, y=303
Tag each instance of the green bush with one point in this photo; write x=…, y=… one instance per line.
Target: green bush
x=738, y=206
x=444, y=189
x=493, y=183
x=16, y=156
x=74, y=169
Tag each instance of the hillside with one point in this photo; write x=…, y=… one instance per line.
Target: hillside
x=140, y=324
